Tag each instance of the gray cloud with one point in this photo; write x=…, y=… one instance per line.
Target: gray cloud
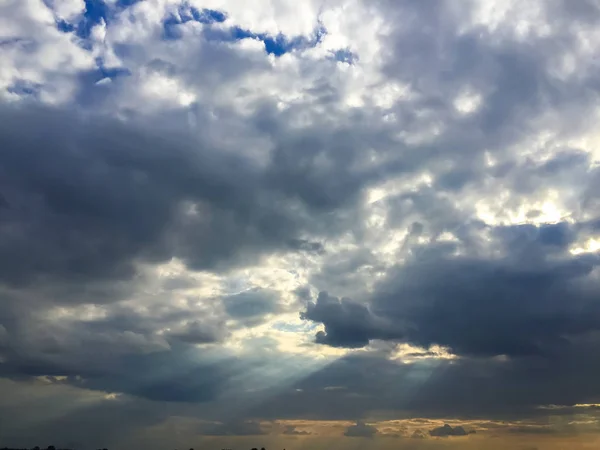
x=418, y=434
x=290, y=430
x=347, y=323
x=251, y=304
x=512, y=305
x=42, y=413
x=197, y=332
x=93, y=200
x=447, y=430
x=361, y=429
x=112, y=195
x=468, y=388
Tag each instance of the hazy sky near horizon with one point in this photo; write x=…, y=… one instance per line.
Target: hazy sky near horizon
x=300, y=224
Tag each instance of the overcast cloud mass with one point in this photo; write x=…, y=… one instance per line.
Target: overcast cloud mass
x=284, y=223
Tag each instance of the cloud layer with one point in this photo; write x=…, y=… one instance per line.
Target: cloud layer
x=291, y=207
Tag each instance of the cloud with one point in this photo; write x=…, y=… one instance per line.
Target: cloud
x=35, y=406
x=291, y=430
x=207, y=201
x=418, y=434
x=251, y=304
x=237, y=428
x=198, y=333
x=154, y=193
x=524, y=429
x=438, y=388
x=506, y=302
x=347, y=323
x=447, y=430
x=361, y=429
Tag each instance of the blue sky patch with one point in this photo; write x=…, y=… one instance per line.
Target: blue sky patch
x=112, y=72
x=126, y=3
x=108, y=72
x=186, y=13
x=89, y=78
x=345, y=55
x=208, y=15
x=96, y=12
x=64, y=26
x=274, y=45
x=281, y=44
x=24, y=88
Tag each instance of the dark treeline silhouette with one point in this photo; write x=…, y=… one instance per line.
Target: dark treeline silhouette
x=52, y=447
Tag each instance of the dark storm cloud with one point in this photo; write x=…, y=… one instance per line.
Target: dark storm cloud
x=121, y=362
x=515, y=304
x=50, y=414
x=347, y=323
x=310, y=247
x=251, y=304
x=90, y=198
x=344, y=271
x=121, y=351
x=467, y=388
x=535, y=303
x=197, y=332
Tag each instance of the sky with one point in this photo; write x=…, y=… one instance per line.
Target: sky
x=304, y=225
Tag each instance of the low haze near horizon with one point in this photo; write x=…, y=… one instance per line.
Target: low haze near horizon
x=312, y=224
